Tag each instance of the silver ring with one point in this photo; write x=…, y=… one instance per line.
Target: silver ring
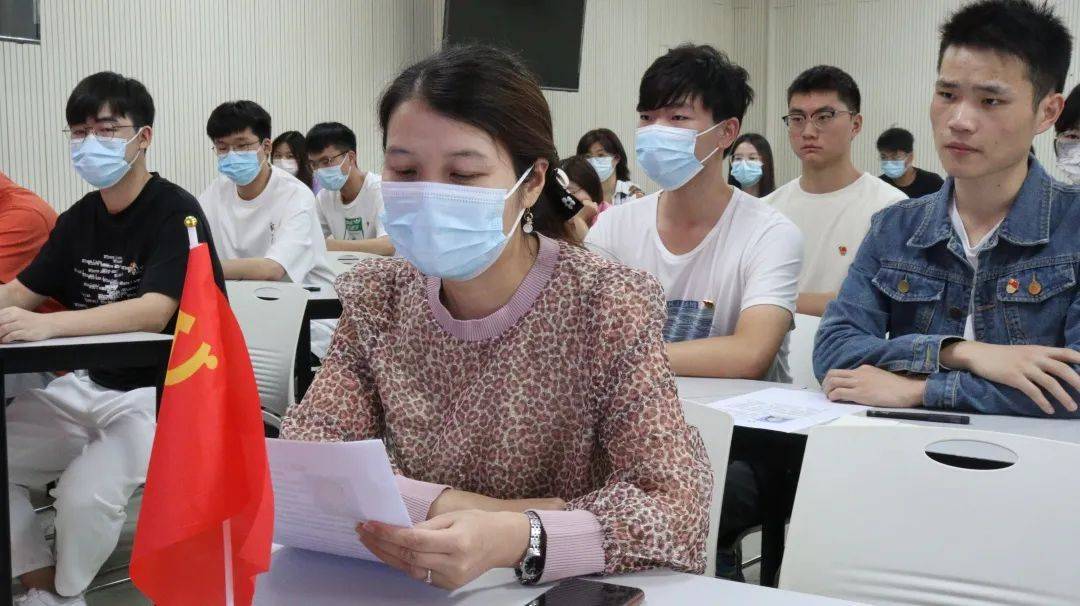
x=428, y=579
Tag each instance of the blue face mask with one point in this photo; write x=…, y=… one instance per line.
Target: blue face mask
x=603, y=165
x=332, y=178
x=746, y=172
x=241, y=167
x=101, y=162
x=666, y=154
x=454, y=232
x=893, y=169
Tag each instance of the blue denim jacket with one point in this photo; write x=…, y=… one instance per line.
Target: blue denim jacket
x=910, y=286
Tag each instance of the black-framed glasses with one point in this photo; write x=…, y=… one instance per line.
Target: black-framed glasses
x=326, y=162
x=822, y=118
x=101, y=130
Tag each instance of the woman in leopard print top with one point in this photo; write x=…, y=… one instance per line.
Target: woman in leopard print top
x=541, y=384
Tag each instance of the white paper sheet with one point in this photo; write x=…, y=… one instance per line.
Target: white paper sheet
x=322, y=490
x=785, y=410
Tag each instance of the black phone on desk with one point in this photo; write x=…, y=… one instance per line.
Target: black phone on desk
x=579, y=592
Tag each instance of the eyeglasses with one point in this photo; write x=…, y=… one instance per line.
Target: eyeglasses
x=223, y=149
x=101, y=130
x=821, y=119
x=326, y=162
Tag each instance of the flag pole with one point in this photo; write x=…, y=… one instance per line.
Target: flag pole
x=226, y=526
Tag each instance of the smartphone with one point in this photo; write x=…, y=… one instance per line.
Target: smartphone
x=579, y=592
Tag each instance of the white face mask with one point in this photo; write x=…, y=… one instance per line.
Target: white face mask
x=1068, y=159
x=288, y=165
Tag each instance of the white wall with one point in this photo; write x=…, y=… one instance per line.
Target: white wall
x=305, y=62
x=888, y=46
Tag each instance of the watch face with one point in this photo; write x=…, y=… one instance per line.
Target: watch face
x=532, y=565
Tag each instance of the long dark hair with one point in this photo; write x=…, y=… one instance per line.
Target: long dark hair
x=491, y=89
x=761, y=144
x=611, y=144
x=298, y=146
x=578, y=170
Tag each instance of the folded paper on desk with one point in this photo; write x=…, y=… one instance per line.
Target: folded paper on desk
x=322, y=490
x=784, y=410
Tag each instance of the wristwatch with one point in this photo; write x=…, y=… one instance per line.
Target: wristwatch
x=531, y=567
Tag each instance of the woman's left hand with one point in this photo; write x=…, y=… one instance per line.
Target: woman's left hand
x=456, y=547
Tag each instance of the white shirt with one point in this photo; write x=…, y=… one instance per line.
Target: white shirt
x=972, y=254
x=357, y=220
x=833, y=225
x=752, y=256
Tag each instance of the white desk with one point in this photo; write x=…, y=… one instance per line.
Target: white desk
x=126, y=338
x=704, y=391
x=314, y=579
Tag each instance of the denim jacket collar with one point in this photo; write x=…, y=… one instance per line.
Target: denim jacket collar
x=1027, y=224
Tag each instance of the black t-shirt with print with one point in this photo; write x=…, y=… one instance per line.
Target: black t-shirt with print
x=93, y=258
x=925, y=183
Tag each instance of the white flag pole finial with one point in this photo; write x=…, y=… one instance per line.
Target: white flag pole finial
x=193, y=236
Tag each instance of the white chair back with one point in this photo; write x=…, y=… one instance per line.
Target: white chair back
x=270, y=314
x=341, y=261
x=801, y=351
x=877, y=520
x=715, y=427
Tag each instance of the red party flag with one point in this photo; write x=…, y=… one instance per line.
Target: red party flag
x=207, y=515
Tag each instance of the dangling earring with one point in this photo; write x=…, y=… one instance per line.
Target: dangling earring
x=528, y=227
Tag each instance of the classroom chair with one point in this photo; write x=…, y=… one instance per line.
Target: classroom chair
x=341, y=261
x=801, y=351
x=879, y=520
x=715, y=427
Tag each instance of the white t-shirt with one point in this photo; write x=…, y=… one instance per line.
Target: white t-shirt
x=833, y=225
x=623, y=193
x=280, y=224
x=357, y=220
x=752, y=256
x=972, y=254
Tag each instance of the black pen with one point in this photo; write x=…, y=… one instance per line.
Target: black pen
x=919, y=416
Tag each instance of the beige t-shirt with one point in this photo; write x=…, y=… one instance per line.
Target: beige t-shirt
x=833, y=225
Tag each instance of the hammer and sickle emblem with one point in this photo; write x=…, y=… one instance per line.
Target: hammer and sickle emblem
x=202, y=357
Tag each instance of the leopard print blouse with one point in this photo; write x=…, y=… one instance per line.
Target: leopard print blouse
x=564, y=392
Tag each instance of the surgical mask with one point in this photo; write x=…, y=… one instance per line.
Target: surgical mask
x=288, y=165
x=240, y=166
x=603, y=165
x=1068, y=159
x=101, y=162
x=746, y=172
x=332, y=178
x=666, y=153
x=893, y=169
x=454, y=232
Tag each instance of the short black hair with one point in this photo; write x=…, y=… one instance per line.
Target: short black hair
x=124, y=96
x=896, y=139
x=824, y=79
x=1070, y=116
x=689, y=71
x=1024, y=29
x=325, y=134
x=233, y=117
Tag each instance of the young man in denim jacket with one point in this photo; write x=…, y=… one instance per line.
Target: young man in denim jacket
x=967, y=299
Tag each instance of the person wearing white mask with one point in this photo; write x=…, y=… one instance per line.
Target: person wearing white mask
x=608, y=158
x=289, y=153
x=262, y=217
x=729, y=263
x=751, y=168
x=896, y=148
x=349, y=202
x=528, y=431
x=1067, y=138
x=117, y=260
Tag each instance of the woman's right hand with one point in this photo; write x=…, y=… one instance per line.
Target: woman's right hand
x=462, y=500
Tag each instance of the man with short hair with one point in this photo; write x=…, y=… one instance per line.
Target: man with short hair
x=263, y=218
x=832, y=201
x=967, y=299
x=728, y=262
x=117, y=259
x=896, y=148
x=350, y=201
